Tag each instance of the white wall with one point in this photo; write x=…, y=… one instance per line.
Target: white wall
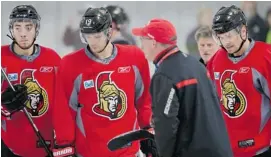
x=56, y=15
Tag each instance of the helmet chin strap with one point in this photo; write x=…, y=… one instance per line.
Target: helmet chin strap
x=15, y=42
x=235, y=52
x=107, y=42
x=240, y=47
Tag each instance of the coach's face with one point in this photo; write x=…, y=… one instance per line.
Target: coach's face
x=207, y=48
x=147, y=47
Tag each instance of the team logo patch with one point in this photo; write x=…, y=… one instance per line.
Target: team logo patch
x=233, y=100
x=216, y=75
x=112, y=101
x=88, y=84
x=37, y=103
x=13, y=76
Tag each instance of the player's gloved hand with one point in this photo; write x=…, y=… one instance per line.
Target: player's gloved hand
x=64, y=151
x=14, y=101
x=148, y=146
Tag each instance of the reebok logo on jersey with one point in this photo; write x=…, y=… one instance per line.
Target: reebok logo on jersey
x=124, y=69
x=244, y=70
x=13, y=76
x=46, y=69
x=217, y=75
x=88, y=84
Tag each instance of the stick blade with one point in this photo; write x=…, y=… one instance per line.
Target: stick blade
x=125, y=138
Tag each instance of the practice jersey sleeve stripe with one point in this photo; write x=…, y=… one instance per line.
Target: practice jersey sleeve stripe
x=73, y=101
x=139, y=85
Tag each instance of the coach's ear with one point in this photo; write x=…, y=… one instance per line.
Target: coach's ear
x=154, y=43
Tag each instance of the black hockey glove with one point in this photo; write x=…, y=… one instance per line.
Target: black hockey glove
x=148, y=146
x=14, y=101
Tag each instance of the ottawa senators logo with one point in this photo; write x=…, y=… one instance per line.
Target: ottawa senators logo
x=112, y=101
x=37, y=103
x=233, y=100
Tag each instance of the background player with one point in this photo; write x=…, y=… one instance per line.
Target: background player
x=120, y=21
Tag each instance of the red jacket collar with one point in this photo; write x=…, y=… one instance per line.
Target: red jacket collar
x=165, y=53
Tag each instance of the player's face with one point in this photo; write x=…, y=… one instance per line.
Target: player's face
x=96, y=41
x=230, y=40
x=24, y=33
x=147, y=47
x=207, y=48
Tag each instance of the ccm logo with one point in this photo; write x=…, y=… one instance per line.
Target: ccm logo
x=124, y=69
x=63, y=152
x=46, y=69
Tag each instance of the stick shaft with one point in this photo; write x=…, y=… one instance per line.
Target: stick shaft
x=41, y=139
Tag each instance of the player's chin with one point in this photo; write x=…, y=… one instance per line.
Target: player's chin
x=25, y=46
x=99, y=51
x=230, y=51
x=96, y=50
x=205, y=59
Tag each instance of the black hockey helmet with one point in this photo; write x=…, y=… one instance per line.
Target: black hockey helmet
x=95, y=20
x=24, y=12
x=227, y=19
x=118, y=14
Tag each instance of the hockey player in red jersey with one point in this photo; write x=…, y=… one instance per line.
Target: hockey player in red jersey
x=31, y=69
x=241, y=70
x=102, y=91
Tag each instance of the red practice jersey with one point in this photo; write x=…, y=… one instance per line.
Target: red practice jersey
x=37, y=72
x=106, y=98
x=244, y=87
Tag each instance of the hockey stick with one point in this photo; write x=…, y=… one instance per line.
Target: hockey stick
x=125, y=138
x=41, y=139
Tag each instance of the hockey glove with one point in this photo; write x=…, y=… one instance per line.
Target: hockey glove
x=14, y=101
x=148, y=146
